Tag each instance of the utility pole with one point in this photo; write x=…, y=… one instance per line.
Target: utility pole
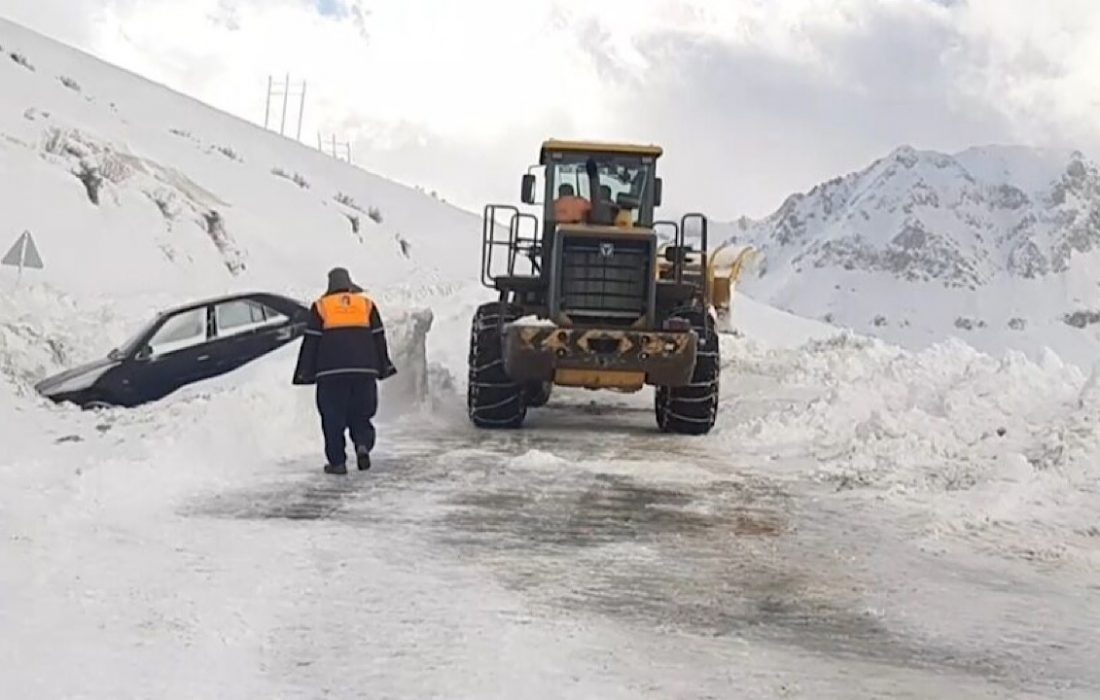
x=267, y=110
x=284, y=90
x=301, y=110
x=332, y=147
x=286, y=94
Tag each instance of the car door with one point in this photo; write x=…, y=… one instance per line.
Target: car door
x=177, y=353
x=244, y=330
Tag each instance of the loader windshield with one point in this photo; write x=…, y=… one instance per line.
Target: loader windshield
x=609, y=184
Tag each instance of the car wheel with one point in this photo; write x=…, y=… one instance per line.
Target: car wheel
x=96, y=404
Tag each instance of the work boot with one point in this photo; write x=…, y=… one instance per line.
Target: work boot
x=336, y=469
x=362, y=456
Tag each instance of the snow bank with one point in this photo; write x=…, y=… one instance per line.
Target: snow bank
x=986, y=444
x=768, y=325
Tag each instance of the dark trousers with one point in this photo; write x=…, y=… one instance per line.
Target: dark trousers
x=347, y=402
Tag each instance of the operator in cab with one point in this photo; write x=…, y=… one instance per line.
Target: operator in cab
x=569, y=208
x=344, y=352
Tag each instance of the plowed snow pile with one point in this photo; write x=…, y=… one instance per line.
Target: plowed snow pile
x=1004, y=450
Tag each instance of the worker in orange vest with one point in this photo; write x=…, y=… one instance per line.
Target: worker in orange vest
x=344, y=353
x=570, y=209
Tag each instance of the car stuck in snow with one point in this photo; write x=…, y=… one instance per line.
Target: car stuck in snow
x=181, y=346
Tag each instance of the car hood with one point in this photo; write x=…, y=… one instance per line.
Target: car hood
x=89, y=372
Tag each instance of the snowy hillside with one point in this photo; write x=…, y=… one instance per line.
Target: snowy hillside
x=999, y=246
x=140, y=198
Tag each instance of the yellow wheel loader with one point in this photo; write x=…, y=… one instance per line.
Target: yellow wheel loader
x=586, y=296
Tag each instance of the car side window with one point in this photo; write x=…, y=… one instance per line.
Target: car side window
x=241, y=315
x=181, y=331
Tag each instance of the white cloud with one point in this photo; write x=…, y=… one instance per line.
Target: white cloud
x=752, y=98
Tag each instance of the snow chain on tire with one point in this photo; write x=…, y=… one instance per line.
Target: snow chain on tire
x=493, y=400
x=692, y=409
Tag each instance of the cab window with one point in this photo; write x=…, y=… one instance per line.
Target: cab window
x=572, y=175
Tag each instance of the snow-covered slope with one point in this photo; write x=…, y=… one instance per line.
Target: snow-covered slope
x=140, y=198
x=997, y=245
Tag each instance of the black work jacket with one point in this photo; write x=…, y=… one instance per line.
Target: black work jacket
x=344, y=337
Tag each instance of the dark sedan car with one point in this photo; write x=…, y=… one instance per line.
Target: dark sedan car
x=182, y=346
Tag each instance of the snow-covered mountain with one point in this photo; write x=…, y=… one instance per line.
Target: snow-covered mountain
x=999, y=245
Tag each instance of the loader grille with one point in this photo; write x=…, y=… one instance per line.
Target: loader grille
x=605, y=280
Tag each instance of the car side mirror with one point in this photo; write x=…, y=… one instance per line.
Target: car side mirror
x=527, y=190
x=658, y=187
x=144, y=354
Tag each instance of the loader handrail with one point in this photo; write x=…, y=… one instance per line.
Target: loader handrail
x=489, y=238
x=704, y=224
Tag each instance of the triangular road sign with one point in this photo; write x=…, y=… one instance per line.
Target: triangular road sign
x=23, y=254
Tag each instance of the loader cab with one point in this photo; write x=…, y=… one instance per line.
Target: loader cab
x=618, y=182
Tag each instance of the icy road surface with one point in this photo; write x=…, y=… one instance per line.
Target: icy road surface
x=586, y=556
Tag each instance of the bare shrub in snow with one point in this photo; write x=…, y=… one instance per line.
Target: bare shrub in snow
x=375, y=215
x=93, y=180
x=347, y=201
x=230, y=153
x=879, y=321
x=1017, y=324
x=1082, y=319
x=968, y=324
x=21, y=60
x=69, y=83
x=33, y=113
x=354, y=225
x=180, y=132
x=296, y=178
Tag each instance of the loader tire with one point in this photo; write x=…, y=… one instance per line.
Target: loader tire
x=493, y=400
x=538, y=394
x=692, y=409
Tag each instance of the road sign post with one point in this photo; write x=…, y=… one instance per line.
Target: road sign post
x=23, y=254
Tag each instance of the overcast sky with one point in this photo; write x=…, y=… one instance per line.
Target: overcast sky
x=752, y=99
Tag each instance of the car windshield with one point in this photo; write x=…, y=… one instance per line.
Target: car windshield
x=133, y=344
